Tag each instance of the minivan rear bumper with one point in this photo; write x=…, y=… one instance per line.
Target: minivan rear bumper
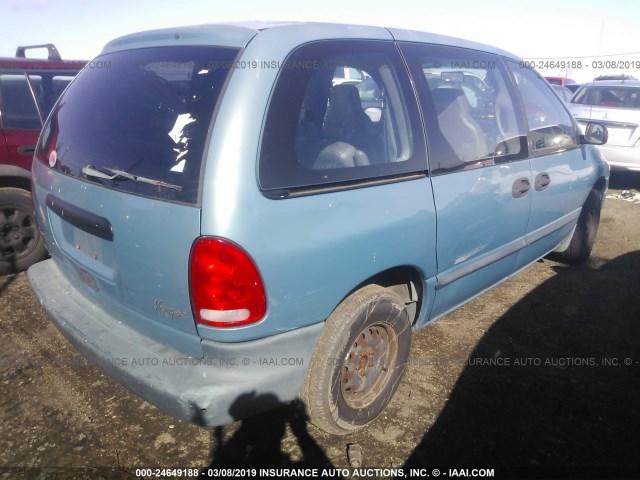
x=230, y=382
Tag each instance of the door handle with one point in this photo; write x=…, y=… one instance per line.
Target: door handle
x=542, y=181
x=26, y=149
x=520, y=187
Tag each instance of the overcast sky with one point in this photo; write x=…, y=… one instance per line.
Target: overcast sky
x=559, y=29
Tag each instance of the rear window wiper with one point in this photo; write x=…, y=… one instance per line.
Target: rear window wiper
x=114, y=173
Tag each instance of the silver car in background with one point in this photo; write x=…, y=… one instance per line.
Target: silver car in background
x=616, y=104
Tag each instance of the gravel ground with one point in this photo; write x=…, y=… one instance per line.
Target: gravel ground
x=542, y=371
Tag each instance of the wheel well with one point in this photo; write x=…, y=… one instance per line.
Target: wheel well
x=15, y=182
x=405, y=281
x=600, y=185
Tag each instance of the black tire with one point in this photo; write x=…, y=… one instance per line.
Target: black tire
x=584, y=235
x=21, y=244
x=346, y=386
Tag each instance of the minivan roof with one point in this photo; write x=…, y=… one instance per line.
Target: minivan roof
x=239, y=34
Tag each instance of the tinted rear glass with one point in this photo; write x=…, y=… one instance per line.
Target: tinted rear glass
x=19, y=110
x=612, y=96
x=338, y=114
x=21, y=96
x=147, y=115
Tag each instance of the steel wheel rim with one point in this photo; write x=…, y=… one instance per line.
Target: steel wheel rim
x=368, y=365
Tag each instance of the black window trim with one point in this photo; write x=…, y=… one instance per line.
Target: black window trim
x=416, y=132
x=296, y=192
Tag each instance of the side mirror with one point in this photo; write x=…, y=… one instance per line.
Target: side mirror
x=595, y=134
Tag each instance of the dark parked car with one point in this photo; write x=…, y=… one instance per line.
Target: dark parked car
x=28, y=89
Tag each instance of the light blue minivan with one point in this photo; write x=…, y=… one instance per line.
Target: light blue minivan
x=239, y=215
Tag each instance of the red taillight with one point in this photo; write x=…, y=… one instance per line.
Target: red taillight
x=226, y=288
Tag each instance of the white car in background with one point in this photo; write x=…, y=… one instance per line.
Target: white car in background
x=616, y=104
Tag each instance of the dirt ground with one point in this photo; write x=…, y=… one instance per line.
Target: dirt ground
x=542, y=371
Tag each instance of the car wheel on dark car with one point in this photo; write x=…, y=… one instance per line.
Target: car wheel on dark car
x=359, y=360
x=21, y=244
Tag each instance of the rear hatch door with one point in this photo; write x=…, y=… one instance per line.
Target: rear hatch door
x=117, y=176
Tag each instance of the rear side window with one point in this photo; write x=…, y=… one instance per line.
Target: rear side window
x=19, y=110
x=470, y=110
x=550, y=125
x=141, y=125
x=25, y=98
x=58, y=84
x=341, y=111
x=616, y=97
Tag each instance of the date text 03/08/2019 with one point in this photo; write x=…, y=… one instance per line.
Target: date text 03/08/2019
x=347, y=473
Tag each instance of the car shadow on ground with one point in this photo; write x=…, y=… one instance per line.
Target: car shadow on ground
x=624, y=180
x=555, y=382
x=258, y=441
x=6, y=281
x=548, y=385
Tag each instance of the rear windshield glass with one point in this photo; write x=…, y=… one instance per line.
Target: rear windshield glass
x=620, y=97
x=140, y=123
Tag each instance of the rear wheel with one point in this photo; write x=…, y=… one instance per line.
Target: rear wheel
x=584, y=235
x=21, y=244
x=359, y=360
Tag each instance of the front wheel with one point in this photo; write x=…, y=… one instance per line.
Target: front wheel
x=359, y=360
x=21, y=244
x=584, y=235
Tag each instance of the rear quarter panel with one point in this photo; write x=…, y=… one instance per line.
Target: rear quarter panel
x=311, y=251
